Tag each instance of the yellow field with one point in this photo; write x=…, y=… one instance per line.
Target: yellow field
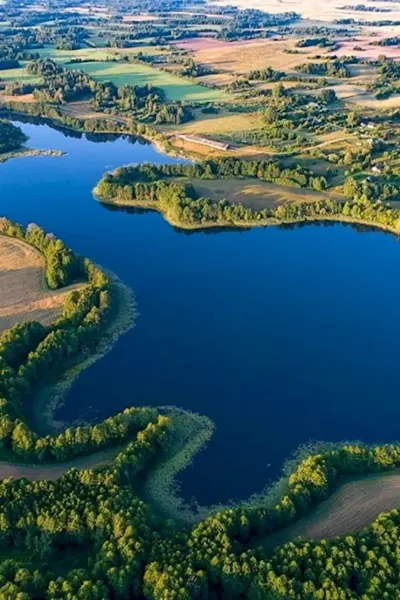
x=223, y=123
x=24, y=295
x=242, y=57
x=252, y=193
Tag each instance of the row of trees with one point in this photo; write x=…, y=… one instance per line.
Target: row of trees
x=272, y=171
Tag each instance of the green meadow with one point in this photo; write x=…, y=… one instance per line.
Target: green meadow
x=20, y=74
x=176, y=88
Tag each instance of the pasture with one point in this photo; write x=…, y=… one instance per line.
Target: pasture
x=24, y=295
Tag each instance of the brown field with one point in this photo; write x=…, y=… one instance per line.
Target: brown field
x=346, y=47
x=252, y=193
x=242, y=57
x=203, y=43
x=328, y=10
x=352, y=508
x=24, y=295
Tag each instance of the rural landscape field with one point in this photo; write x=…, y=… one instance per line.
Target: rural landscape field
x=198, y=300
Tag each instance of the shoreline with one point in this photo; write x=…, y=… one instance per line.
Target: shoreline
x=152, y=206
x=50, y=398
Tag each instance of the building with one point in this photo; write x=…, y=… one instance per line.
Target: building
x=195, y=139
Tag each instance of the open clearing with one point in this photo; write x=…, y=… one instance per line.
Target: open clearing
x=24, y=295
x=252, y=193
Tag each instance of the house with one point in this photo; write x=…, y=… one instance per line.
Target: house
x=377, y=170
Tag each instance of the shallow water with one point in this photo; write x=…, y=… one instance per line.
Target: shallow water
x=279, y=335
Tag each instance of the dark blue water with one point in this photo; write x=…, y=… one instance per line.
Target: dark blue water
x=279, y=335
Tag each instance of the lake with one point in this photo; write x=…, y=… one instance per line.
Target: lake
x=280, y=335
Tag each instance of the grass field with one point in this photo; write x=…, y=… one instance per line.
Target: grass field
x=20, y=74
x=24, y=295
x=252, y=193
x=175, y=88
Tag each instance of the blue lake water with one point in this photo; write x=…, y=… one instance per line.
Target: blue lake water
x=279, y=335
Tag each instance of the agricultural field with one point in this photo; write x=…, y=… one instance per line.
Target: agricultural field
x=174, y=87
x=24, y=295
x=256, y=195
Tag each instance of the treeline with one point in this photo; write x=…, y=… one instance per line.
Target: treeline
x=330, y=68
x=272, y=171
x=268, y=74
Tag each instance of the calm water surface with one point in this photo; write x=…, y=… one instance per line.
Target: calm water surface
x=279, y=335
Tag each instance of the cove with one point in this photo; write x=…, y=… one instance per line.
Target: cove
x=279, y=335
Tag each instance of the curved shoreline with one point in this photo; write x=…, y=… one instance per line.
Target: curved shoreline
x=53, y=396
x=244, y=224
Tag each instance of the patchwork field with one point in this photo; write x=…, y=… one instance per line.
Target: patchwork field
x=24, y=295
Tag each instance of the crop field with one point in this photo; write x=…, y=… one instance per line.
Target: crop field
x=176, y=88
x=242, y=57
x=24, y=295
x=329, y=10
x=217, y=125
x=250, y=193
x=354, y=506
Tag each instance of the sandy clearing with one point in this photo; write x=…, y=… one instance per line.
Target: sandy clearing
x=24, y=295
